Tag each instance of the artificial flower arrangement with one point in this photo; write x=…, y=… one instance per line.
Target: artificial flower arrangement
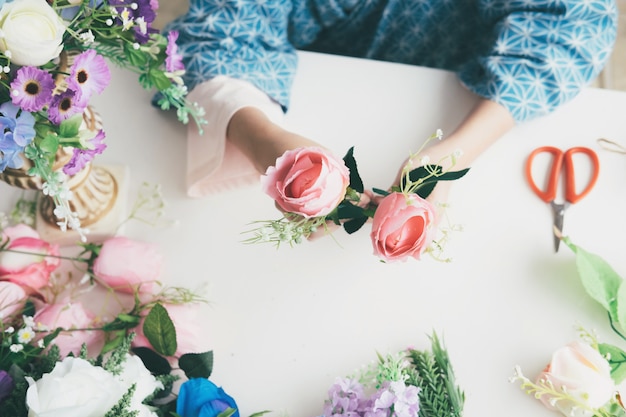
x=63, y=353
x=411, y=383
x=587, y=378
x=42, y=102
x=313, y=188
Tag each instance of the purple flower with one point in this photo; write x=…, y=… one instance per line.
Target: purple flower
x=89, y=74
x=142, y=13
x=345, y=398
x=32, y=88
x=82, y=157
x=174, y=60
x=6, y=385
x=394, y=398
x=64, y=106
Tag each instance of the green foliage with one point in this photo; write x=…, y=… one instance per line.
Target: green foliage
x=439, y=394
x=122, y=408
x=160, y=331
x=422, y=180
x=197, y=365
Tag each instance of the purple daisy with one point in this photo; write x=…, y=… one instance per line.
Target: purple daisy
x=82, y=157
x=89, y=74
x=32, y=88
x=174, y=60
x=64, y=106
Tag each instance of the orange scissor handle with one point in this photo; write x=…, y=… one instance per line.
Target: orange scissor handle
x=558, y=157
x=553, y=177
x=570, y=189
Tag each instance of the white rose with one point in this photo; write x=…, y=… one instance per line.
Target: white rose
x=74, y=388
x=135, y=372
x=586, y=376
x=31, y=32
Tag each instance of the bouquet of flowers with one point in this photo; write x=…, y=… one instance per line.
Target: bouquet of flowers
x=587, y=378
x=313, y=187
x=96, y=334
x=53, y=58
x=411, y=383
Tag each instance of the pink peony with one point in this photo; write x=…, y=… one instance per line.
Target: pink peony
x=71, y=315
x=402, y=227
x=308, y=181
x=185, y=320
x=128, y=265
x=12, y=298
x=32, y=269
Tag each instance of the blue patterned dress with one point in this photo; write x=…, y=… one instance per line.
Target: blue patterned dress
x=528, y=55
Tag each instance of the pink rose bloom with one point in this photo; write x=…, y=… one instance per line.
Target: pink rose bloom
x=584, y=373
x=128, y=265
x=12, y=298
x=187, y=326
x=402, y=227
x=30, y=270
x=308, y=181
x=71, y=315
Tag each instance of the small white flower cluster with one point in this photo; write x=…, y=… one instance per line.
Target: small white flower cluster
x=57, y=188
x=26, y=334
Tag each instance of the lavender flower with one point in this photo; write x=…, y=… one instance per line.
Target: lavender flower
x=82, y=157
x=31, y=89
x=174, y=60
x=64, y=106
x=6, y=385
x=346, y=399
x=89, y=74
x=394, y=399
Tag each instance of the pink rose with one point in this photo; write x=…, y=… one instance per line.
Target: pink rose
x=185, y=319
x=584, y=374
x=128, y=265
x=31, y=269
x=12, y=298
x=71, y=315
x=402, y=227
x=308, y=181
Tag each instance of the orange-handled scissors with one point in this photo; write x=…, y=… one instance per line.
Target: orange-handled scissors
x=562, y=159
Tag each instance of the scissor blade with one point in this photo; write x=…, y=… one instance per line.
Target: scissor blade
x=559, y=211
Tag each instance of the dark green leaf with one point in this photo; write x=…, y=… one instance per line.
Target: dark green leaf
x=29, y=309
x=154, y=362
x=160, y=331
x=346, y=210
x=135, y=57
x=380, y=192
x=356, y=183
x=197, y=365
x=353, y=225
x=51, y=336
x=159, y=80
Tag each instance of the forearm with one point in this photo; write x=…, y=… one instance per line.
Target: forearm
x=261, y=140
x=486, y=123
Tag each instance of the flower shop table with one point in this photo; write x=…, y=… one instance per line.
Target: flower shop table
x=284, y=323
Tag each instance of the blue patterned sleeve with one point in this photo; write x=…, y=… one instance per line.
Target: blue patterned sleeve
x=243, y=39
x=543, y=52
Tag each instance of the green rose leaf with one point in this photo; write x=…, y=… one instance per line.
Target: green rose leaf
x=353, y=225
x=160, y=331
x=429, y=175
x=154, y=362
x=69, y=127
x=49, y=144
x=617, y=359
x=197, y=365
x=598, y=278
x=356, y=183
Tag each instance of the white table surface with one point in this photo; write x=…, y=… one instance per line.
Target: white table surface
x=283, y=324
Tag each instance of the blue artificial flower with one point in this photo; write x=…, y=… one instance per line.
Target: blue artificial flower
x=199, y=397
x=16, y=132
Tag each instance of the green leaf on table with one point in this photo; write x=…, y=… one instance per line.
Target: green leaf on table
x=197, y=365
x=356, y=183
x=154, y=362
x=160, y=331
x=620, y=306
x=600, y=281
x=617, y=359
